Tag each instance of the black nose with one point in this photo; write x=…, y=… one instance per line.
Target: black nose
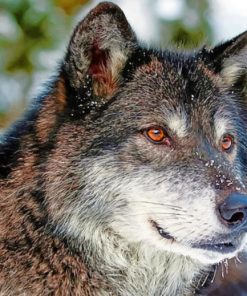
x=233, y=211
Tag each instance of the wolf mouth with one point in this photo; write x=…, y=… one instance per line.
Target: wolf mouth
x=224, y=247
x=162, y=232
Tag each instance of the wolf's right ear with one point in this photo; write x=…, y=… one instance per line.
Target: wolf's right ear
x=99, y=49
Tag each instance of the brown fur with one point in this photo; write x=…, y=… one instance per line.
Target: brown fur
x=41, y=169
x=42, y=264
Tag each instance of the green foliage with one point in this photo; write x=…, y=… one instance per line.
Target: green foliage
x=29, y=28
x=191, y=29
x=36, y=25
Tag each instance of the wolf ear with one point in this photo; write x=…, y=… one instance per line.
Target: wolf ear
x=229, y=60
x=98, y=50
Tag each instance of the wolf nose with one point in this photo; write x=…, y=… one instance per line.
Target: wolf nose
x=233, y=211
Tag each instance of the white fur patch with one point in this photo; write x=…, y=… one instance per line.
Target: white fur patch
x=111, y=217
x=221, y=126
x=177, y=123
x=231, y=72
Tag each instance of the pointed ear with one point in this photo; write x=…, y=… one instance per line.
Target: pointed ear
x=99, y=49
x=229, y=60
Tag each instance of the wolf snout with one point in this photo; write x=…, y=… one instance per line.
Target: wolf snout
x=233, y=211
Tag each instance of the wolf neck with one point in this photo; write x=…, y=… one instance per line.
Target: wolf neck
x=134, y=269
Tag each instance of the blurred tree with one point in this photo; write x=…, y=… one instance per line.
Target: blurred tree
x=70, y=7
x=28, y=28
x=191, y=28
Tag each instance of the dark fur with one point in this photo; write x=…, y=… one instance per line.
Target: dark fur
x=70, y=121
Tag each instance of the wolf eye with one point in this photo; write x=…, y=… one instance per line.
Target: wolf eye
x=157, y=135
x=227, y=143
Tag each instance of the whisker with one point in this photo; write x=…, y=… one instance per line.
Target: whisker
x=185, y=236
x=160, y=204
x=222, y=270
x=215, y=271
x=204, y=282
x=237, y=258
x=159, y=213
x=198, y=282
x=236, y=262
x=180, y=229
x=226, y=266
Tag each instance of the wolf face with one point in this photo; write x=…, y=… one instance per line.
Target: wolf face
x=139, y=147
x=163, y=140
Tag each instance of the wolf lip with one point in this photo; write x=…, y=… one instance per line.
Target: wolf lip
x=224, y=247
x=162, y=232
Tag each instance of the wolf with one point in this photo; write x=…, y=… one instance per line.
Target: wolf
x=127, y=175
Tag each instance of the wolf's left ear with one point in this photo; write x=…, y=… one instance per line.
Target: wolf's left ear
x=229, y=60
x=99, y=49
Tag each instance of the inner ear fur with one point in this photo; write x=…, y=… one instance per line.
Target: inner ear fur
x=234, y=66
x=99, y=48
x=229, y=60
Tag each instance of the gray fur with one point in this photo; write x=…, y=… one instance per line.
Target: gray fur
x=84, y=172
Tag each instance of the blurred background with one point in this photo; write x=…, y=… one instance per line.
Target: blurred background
x=34, y=34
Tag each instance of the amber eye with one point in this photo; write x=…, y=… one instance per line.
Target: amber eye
x=157, y=135
x=227, y=143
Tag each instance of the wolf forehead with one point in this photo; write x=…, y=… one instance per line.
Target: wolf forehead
x=173, y=89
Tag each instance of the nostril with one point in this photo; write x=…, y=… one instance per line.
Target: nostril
x=233, y=211
x=236, y=218
x=233, y=217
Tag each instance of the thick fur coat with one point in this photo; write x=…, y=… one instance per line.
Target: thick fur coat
x=110, y=181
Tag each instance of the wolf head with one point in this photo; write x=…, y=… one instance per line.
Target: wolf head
x=150, y=145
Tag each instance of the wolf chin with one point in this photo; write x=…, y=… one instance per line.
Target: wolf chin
x=127, y=175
